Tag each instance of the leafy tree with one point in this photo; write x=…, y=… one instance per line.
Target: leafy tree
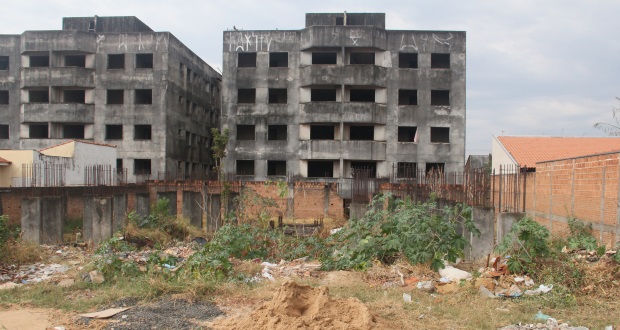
x=220, y=140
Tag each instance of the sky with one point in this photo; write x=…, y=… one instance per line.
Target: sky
x=534, y=67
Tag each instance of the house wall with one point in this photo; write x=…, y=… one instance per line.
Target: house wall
x=500, y=156
x=14, y=170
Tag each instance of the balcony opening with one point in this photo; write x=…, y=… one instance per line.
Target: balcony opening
x=406, y=170
x=435, y=167
x=278, y=60
x=276, y=167
x=78, y=61
x=39, y=61
x=440, y=61
x=246, y=95
x=246, y=60
x=246, y=132
x=113, y=132
x=278, y=96
x=4, y=63
x=115, y=96
x=408, y=60
x=74, y=96
x=4, y=132
x=362, y=58
x=245, y=167
x=72, y=131
x=142, y=132
x=38, y=96
x=407, y=134
x=116, y=61
x=407, y=97
x=144, y=96
x=324, y=57
x=144, y=61
x=4, y=97
x=142, y=166
x=322, y=132
x=440, y=134
x=323, y=95
x=38, y=131
x=277, y=133
x=362, y=95
x=362, y=133
x=369, y=167
x=440, y=97
x=320, y=169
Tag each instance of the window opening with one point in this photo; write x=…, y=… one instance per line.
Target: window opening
x=246, y=95
x=38, y=96
x=144, y=61
x=245, y=167
x=435, y=167
x=142, y=166
x=276, y=167
x=322, y=132
x=113, y=132
x=74, y=96
x=362, y=95
x=116, y=61
x=407, y=97
x=246, y=60
x=38, y=131
x=324, y=57
x=323, y=95
x=4, y=132
x=277, y=95
x=362, y=58
x=246, y=132
x=144, y=96
x=277, y=133
x=440, y=61
x=362, y=133
x=39, y=61
x=370, y=167
x=75, y=61
x=4, y=63
x=407, y=134
x=4, y=97
x=440, y=97
x=142, y=132
x=406, y=170
x=115, y=96
x=408, y=60
x=278, y=60
x=72, y=131
x=440, y=134
x=320, y=169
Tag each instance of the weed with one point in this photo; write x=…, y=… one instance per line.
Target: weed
x=526, y=241
x=581, y=235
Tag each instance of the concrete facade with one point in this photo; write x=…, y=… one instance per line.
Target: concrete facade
x=343, y=93
x=111, y=80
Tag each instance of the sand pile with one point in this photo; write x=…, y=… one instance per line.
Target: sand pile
x=303, y=307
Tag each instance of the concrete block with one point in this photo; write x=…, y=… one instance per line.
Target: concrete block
x=214, y=212
x=192, y=201
x=31, y=219
x=119, y=216
x=143, y=206
x=485, y=243
x=505, y=220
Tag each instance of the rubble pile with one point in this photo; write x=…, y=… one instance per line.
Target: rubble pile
x=550, y=324
x=288, y=269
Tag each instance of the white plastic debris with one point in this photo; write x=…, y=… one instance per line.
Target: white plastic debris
x=407, y=297
x=335, y=230
x=268, y=264
x=454, y=274
x=541, y=289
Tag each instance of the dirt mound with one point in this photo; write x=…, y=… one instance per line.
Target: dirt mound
x=300, y=306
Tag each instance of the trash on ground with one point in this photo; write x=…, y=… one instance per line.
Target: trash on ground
x=105, y=313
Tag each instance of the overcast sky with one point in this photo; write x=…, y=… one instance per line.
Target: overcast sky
x=533, y=67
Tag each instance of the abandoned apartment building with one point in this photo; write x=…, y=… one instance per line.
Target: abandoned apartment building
x=343, y=94
x=111, y=80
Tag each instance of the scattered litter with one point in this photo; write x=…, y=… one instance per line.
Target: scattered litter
x=407, y=297
x=105, y=313
x=427, y=286
x=335, y=230
x=542, y=317
x=59, y=328
x=268, y=264
x=9, y=286
x=454, y=274
x=541, y=289
x=95, y=277
x=486, y=292
x=444, y=280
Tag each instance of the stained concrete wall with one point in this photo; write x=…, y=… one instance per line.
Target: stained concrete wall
x=481, y=246
x=192, y=203
x=505, y=220
x=172, y=198
x=214, y=212
x=119, y=215
x=143, y=204
x=43, y=218
x=98, y=219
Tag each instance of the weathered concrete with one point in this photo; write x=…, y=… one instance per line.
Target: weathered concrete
x=214, y=213
x=505, y=220
x=98, y=219
x=484, y=244
x=192, y=203
x=143, y=204
x=43, y=218
x=357, y=210
x=119, y=216
x=172, y=198
x=31, y=219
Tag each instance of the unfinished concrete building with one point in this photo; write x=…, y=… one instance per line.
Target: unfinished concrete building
x=112, y=80
x=342, y=94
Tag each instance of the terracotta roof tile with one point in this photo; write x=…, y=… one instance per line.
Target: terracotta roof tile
x=528, y=150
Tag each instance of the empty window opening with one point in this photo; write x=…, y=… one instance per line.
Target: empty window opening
x=115, y=96
x=4, y=63
x=74, y=96
x=73, y=131
x=246, y=60
x=144, y=96
x=324, y=57
x=362, y=95
x=75, y=61
x=323, y=94
x=322, y=132
x=142, y=166
x=435, y=167
x=246, y=132
x=119, y=165
x=91, y=26
x=278, y=60
x=246, y=95
x=116, y=61
x=440, y=134
x=407, y=134
x=38, y=96
x=38, y=131
x=340, y=20
x=277, y=132
x=406, y=170
x=362, y=58
x=276, y=167
x=144, y=61
x=113, y=132
x=39, y=61
x=277, y=95
x=407, y=97
x=142, y=132
x=362, y=133
x=320, y=169
x=408, y=60
x=440, y=61
x=370, y=167
x=245, y=167
x=440, y=97
x=4, y=132
x=4, y=97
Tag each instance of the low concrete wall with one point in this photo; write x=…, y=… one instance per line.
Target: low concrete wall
x=357, y=210
x=143, y=204
x=481, y=246
x=172, y=197
x=98, y=219
x=192, y=203
x=119, y=215
x=214, y=212
x=42, y=219
x=505, y=220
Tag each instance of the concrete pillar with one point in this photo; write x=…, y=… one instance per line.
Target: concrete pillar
x=31, y=219
x=192, y=202
x=505, y=220
x=98, y=219
x=214, y=210
x=42, y=219
x=481, y=246
x=119, y=216
x=143, y=205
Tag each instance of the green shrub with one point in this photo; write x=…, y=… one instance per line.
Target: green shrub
x=526, y=241
x=581, y=235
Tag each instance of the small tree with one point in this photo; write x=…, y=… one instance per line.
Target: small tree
x=220, y=140
x=611, y=129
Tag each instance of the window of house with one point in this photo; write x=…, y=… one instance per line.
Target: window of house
x=407, y=134
x=362, y=58
x=144, y=61
x=406, y=170
x=75, y=61
x=324, y=57
x=322, y=132
x=113, y=132
x=361, y=95
x=276, y=167
x=370, y=167
x=407, y=97
x=361, y=133
x=320, y=169
x=246, y=95
x=440, y=134
x=142, y=166
x=4, y=63
x=246, y=60
x=408, y=60
x=440, y=97
x=38, y=131
x=277, y=95
x=143, y=96
x=440, y=61
x=435, y=167
x=116, y=61
x=245, y=167
x=73, y=131
x=142, y=132
x=246, y=132
x=115, y=96
x=4, y=132
x=323, y=94
x=277, y=132
x=278, y=60
x=74, y=96
x=39, y=61
x=4, y=97
x=38, y=96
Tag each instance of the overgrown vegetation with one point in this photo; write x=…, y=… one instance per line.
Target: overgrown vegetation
x=13, y=250
x=526, y=241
